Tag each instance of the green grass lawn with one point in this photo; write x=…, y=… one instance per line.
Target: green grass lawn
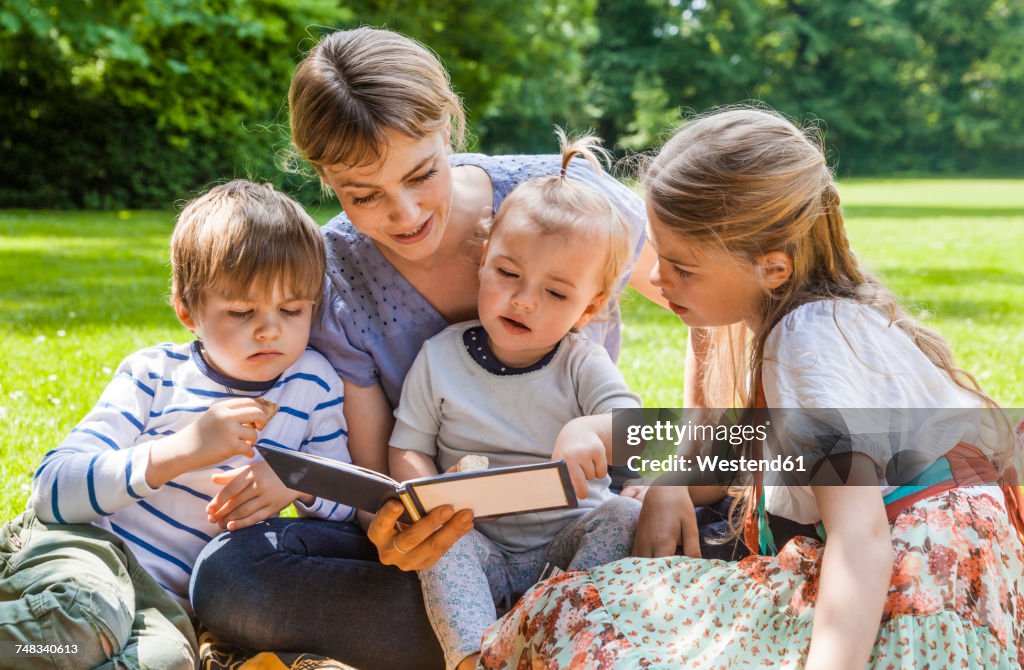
x=80, y=291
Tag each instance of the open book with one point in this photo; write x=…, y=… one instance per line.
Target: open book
x=489, y=493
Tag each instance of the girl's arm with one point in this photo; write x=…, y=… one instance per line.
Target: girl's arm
x=370, y=424
x=855, y=572
x=407, y=464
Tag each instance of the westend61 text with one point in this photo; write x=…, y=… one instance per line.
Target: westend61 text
x=662, y=431
x=716, y=464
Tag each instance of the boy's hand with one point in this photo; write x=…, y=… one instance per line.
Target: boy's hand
x=251, y=494
x=221, y=432
x=583, y=452
x=217, y=435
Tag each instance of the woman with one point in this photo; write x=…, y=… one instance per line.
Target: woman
x=374, y=113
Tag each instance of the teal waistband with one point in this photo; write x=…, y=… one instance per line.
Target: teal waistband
x=936, y=473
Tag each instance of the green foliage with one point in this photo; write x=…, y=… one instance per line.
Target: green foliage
x=516, y=64
x=109, y=103
x=127, y=103
x=899, y=85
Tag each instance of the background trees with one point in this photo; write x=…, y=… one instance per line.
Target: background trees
x=128, y=103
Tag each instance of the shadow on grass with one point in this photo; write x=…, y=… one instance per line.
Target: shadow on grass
x=854, y=212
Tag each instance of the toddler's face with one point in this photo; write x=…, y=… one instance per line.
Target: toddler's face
x=535, y=288
x=253, y=339
x=705, y=287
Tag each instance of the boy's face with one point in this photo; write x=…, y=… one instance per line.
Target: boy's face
x=535, y=288
x=254, y=339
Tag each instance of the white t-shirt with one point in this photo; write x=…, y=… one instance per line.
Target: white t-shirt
x=842, y=355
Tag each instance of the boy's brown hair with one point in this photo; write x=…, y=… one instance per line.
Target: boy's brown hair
x=239, y=237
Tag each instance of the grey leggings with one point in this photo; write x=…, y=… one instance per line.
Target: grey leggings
x=463, y=589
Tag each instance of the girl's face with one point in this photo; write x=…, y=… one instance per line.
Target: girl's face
x=535, y=288
x=704, y=286
x=401, y=201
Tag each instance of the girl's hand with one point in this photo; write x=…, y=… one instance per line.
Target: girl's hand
x=584, y=452
x=667, y=519
x=635, y=491
x=420, y=545
x=251, y=494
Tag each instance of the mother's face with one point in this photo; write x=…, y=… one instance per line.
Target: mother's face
x=401, y=201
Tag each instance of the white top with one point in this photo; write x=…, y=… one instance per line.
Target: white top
x=451, y=406
x=838, y=354
x=97, y=474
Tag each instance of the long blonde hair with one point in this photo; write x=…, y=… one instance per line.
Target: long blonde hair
x=749, y=181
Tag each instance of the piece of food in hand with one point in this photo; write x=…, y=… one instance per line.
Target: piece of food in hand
x=471, y=463
x=269, y=408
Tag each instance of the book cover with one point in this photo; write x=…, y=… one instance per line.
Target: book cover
x=489, y=493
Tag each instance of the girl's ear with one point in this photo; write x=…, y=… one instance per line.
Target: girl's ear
x=592, y=309
x=775, y=268
x=183, y=314
x=483, y=254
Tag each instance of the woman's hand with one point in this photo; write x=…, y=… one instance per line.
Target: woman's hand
x=251, y=494
x=667, y=519
x=420, y=545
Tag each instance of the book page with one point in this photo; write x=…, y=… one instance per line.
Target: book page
x=498, y=494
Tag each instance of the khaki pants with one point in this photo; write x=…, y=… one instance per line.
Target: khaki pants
x=74, y=596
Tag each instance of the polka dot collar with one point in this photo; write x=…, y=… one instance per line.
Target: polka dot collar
x=475, y=339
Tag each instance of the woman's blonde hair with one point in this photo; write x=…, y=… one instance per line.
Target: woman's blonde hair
x=558, y=205
x=749, y=181
x=356, y=85
x=240, y=237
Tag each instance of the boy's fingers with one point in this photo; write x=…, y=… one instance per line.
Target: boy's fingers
x=251, y=520
x=234, y=482
x=244, y=509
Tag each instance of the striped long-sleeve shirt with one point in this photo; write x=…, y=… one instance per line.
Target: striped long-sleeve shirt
x=97, y=474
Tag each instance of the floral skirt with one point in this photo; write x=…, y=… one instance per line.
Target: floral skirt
x=956, y=600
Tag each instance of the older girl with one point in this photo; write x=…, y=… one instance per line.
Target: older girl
x=745, y=219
